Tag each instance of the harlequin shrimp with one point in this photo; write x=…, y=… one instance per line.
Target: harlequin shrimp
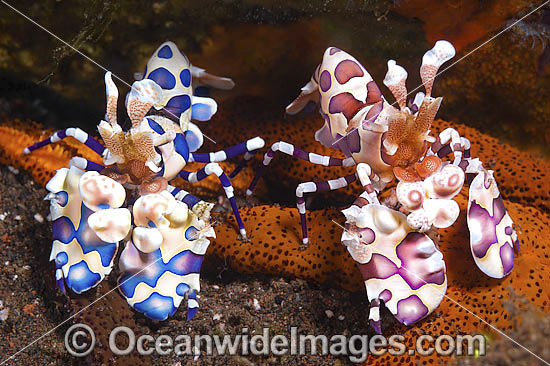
x=400, y=264
x=163, y=254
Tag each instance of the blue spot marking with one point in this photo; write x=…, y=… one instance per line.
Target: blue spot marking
x=181, y=146
x=182, y=289
x=191, y=233
x=178, y=104
x=191, y=312
x=185, y=77
x=103, y=206
x=163, y=77
x=156, y=306
x=155, y=126
x=79, y=282
x=61, y=259
x=63, y=230
x=151, y=224
x=202, y=112
x=62, y=198
x=193, y=141
x=165, y=52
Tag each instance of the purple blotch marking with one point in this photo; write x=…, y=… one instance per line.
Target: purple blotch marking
x=345, y=103
x=385, y=295
x=507, y=258
x=411, y=310
x=324, y=81
x=374, y=95
x=412, y=106
x=347, y=70
x=353, y=141
x=372, y=114
x=487, y=224
x=367, y=235
x=333, y=50
x=378, y=267
x=414, y=270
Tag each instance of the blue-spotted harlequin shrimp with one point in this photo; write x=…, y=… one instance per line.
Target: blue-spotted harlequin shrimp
x=164, y=250
x=400, y=264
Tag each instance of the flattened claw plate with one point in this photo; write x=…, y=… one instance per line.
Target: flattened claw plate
x=492, y=233
x=82, y=259
x=162, y=262
x=401, y=267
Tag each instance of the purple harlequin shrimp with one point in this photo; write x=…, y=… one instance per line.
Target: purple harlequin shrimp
x=386, y=143
x=91, y=202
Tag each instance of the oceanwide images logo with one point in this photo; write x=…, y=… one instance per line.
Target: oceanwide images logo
x=80, y=341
